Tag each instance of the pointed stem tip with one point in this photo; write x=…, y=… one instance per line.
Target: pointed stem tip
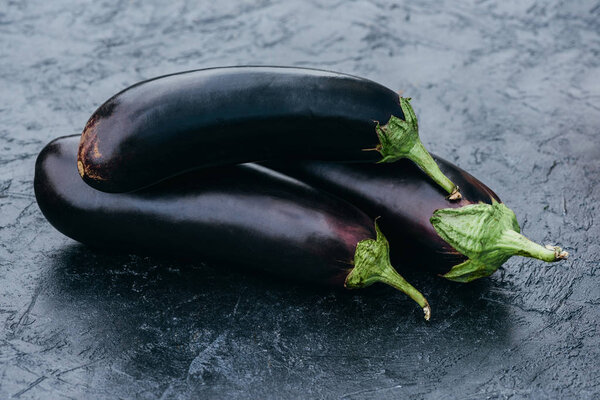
x=455, y=195
x=559, y=254
x=427, y=311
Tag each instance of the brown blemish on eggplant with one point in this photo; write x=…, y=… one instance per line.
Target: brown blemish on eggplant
x=89, y=169
x=92, y=175
x=95, y=152
x=89, y=155
x=88, y=148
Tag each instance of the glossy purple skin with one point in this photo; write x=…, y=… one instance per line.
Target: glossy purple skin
x=245, y=216
x=223, y=116
x=405, y=199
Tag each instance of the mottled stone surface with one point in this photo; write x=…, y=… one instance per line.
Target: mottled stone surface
x=509, y=90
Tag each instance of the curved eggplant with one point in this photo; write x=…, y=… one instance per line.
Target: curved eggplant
x=241, y=215
x=462, y=240
x=222, y=116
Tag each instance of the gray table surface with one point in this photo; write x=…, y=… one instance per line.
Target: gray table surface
x=508, y=90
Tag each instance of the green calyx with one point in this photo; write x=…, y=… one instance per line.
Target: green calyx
x=488, y=235
x=400, y=139
x=372, y=264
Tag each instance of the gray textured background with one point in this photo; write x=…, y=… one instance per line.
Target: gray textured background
x=509, y=90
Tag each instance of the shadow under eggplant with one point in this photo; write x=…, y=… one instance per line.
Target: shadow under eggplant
x=162, y=317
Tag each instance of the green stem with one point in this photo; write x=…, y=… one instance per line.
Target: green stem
x=522, y=246
x=400, y=139
x=419, y=155
x=488, y=234
x=372, y=264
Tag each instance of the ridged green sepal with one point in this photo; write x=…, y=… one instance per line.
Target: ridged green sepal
x=488, y=234
x=372, y=264
x=400, y=139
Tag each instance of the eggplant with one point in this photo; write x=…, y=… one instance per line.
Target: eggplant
x=246, y=215
x=222, y=116
x=461, y=241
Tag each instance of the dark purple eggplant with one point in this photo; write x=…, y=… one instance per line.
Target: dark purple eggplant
x=243, y=215
x=462, y=240
x=222, y=116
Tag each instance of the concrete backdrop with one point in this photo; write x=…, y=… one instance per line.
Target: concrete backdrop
x=508, y=90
